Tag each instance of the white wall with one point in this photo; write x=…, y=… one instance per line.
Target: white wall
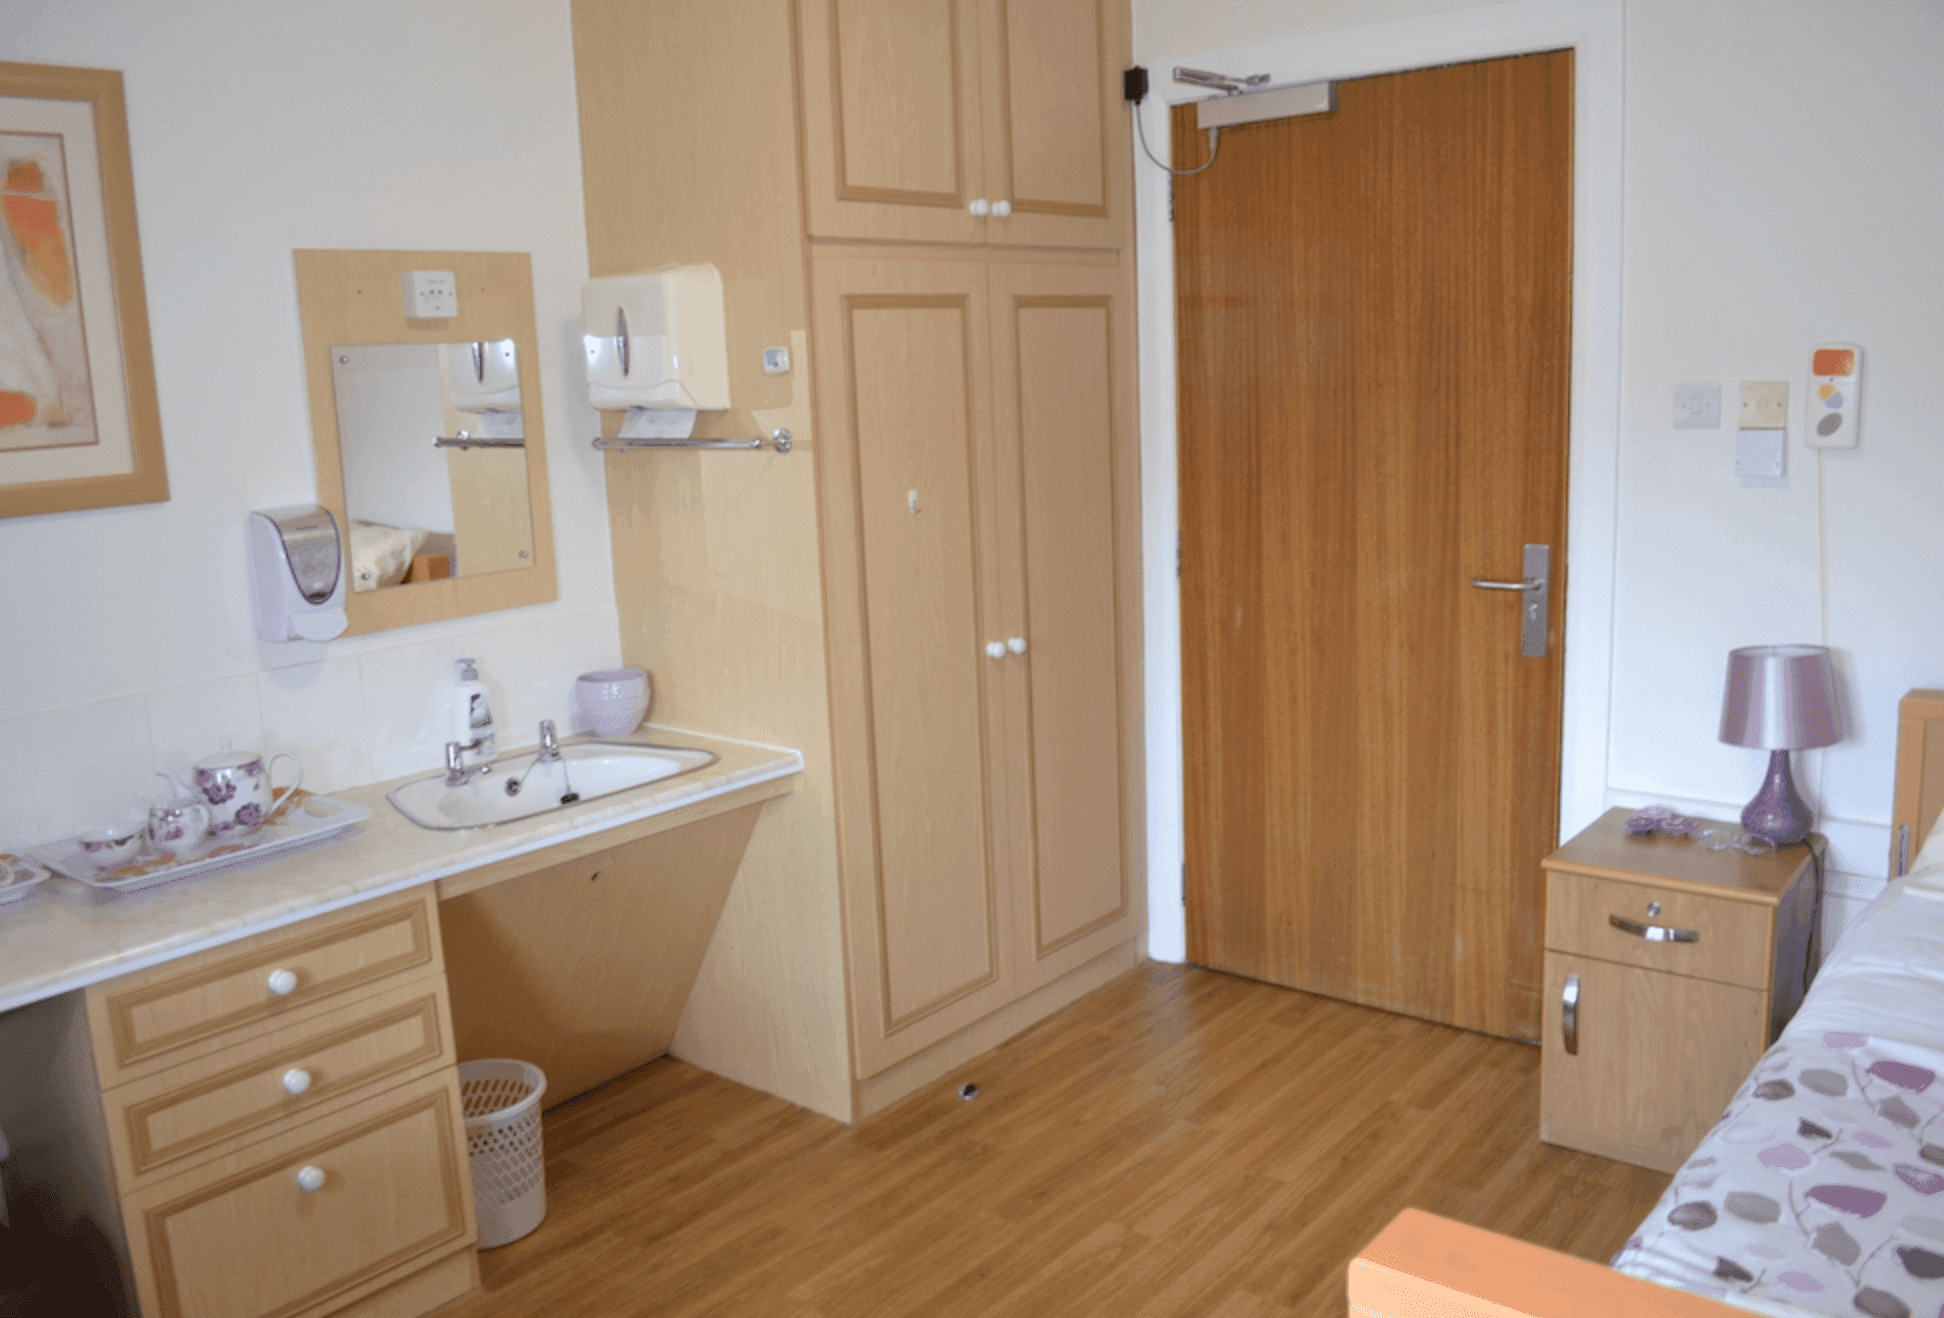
x=1778, y=187
x=125, y=637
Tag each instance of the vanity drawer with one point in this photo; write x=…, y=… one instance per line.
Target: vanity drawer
x=1733, y=943
x=383, y=1037
x=239, y=1237
x=147, y=1015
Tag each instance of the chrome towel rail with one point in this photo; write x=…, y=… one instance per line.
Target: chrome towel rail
x=779, y=439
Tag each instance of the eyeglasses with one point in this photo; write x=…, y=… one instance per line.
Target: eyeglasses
x=1734, y=839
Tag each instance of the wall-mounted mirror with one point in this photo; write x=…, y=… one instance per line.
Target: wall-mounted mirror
x=432, y=444
x=427, y=434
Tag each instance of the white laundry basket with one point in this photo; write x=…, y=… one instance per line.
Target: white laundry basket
x=501, y=1099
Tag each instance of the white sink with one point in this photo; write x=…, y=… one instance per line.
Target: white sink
x=589, y=770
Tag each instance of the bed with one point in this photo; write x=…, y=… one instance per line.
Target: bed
x=1821, y=1190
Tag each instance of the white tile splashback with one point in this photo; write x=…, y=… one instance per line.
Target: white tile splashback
x=351, y=719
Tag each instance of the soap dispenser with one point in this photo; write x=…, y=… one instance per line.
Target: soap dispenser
x=472, y=716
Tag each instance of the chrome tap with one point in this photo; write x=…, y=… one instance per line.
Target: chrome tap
x=549, y=745
x=549, y=753
x=458, y=772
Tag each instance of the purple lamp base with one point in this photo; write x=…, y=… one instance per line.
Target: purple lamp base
x=1778, y=811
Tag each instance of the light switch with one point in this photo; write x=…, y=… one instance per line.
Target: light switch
x=1761, y=453
x=1697, y=406
x=1764, y=404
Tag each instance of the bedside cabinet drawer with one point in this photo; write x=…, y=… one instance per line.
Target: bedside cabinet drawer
x=338, y=1206
x=144, y=1016
x=1714, y=938
x=306, y=1064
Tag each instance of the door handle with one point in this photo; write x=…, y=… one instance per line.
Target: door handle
x=1654, y=933
x=1569, y=1014
x=1535, y=609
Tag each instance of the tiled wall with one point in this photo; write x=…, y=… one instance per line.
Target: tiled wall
x=350, y=719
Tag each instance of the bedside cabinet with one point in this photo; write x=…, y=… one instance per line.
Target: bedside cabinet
x=1669, y=969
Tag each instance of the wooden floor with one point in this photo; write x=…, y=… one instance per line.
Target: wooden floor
x=1181, y=1142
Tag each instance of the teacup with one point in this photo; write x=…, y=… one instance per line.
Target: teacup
x=236, y=784
x=109, y=847
x=181, y=821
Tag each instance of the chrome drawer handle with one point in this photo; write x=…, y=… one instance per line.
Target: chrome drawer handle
x=1654, y=933
x=1569, y=1014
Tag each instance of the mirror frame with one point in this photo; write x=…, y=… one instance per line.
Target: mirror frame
x=357, y=297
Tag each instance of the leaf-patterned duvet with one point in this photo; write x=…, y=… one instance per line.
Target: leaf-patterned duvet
x=1822, y=1188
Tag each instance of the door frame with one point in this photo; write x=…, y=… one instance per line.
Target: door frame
x=1595, y=31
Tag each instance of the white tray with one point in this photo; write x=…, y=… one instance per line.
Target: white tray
x=18, y=875
x=305, y=821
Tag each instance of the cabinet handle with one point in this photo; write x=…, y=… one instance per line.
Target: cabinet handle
x=995, y=649
x=1002, y=209
x=311, y=1179
x=1654, y=933
x=1569, y=1014
x=296, y=1080
x=981, y=207
x=283, y=983
x=1017, y=645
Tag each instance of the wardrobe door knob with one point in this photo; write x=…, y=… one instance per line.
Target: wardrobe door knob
x=1002, y=209
x=296, y=1080
x=995, y=649
x=982, y=208
x=311, y=1179
x=283, y=983
x=1017, y=645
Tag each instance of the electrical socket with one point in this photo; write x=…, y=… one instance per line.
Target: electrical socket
x=1764, y=405
x=430, y=295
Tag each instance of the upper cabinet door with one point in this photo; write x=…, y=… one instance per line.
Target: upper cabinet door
x=1056, y=133
x=891, y=102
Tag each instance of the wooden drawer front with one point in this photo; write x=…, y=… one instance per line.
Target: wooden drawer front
x=188, y=1108
x=1735, y=941
x=147, y=1014
x=238, y=1238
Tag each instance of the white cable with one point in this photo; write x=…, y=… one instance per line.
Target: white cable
x=1214, y=146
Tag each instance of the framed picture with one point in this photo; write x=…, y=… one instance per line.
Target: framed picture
x=78, y=420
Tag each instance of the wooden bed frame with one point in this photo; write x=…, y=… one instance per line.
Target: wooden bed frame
x=1423, y=1265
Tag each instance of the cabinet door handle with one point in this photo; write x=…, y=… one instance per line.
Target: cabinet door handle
x=1017, y=645
x=995, y=649
x=296, y=1080
x=1569, y=1014
x=311, y=1179
x=1654, y=933
x=1002, y=208
x=283, y=983
x=980, y=207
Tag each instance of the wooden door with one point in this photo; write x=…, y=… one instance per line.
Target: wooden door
x=1056, y=137
x=1374, y=309
x=1067, y=454
x=1659, y=1057
x=917, y=725
x=891, y=110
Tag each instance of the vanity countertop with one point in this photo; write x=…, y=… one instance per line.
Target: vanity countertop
x=63, y=938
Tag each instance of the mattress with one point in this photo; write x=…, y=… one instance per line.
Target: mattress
x=1821, y=1190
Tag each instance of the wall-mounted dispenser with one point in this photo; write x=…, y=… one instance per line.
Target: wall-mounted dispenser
x=297, y=574
x=657, y=345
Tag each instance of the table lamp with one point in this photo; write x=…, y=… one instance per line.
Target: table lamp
x=1779, y=698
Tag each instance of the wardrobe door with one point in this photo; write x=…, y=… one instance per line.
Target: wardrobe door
x=1056, y=146
x=891, y=118
x=903, y=396
x=1062, y=348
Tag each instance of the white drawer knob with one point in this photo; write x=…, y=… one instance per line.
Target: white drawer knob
x=296, y=1080
x=995, y=649
x=1002, y=209
x=283, y=983
x=311, y=1179
x=981, y=207
x=1017, y=645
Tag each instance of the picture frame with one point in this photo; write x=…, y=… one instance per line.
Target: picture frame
x=80, y=426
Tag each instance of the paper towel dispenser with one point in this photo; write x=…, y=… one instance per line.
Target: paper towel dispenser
x=657, y=340
x=297, y=574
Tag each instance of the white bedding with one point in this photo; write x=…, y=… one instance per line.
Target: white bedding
x=1822, y=1189
x=381, y=555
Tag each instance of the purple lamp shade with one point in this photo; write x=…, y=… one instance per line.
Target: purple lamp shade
x=1779, y=698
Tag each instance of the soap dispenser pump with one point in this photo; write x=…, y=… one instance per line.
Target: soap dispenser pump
x=472, y=716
